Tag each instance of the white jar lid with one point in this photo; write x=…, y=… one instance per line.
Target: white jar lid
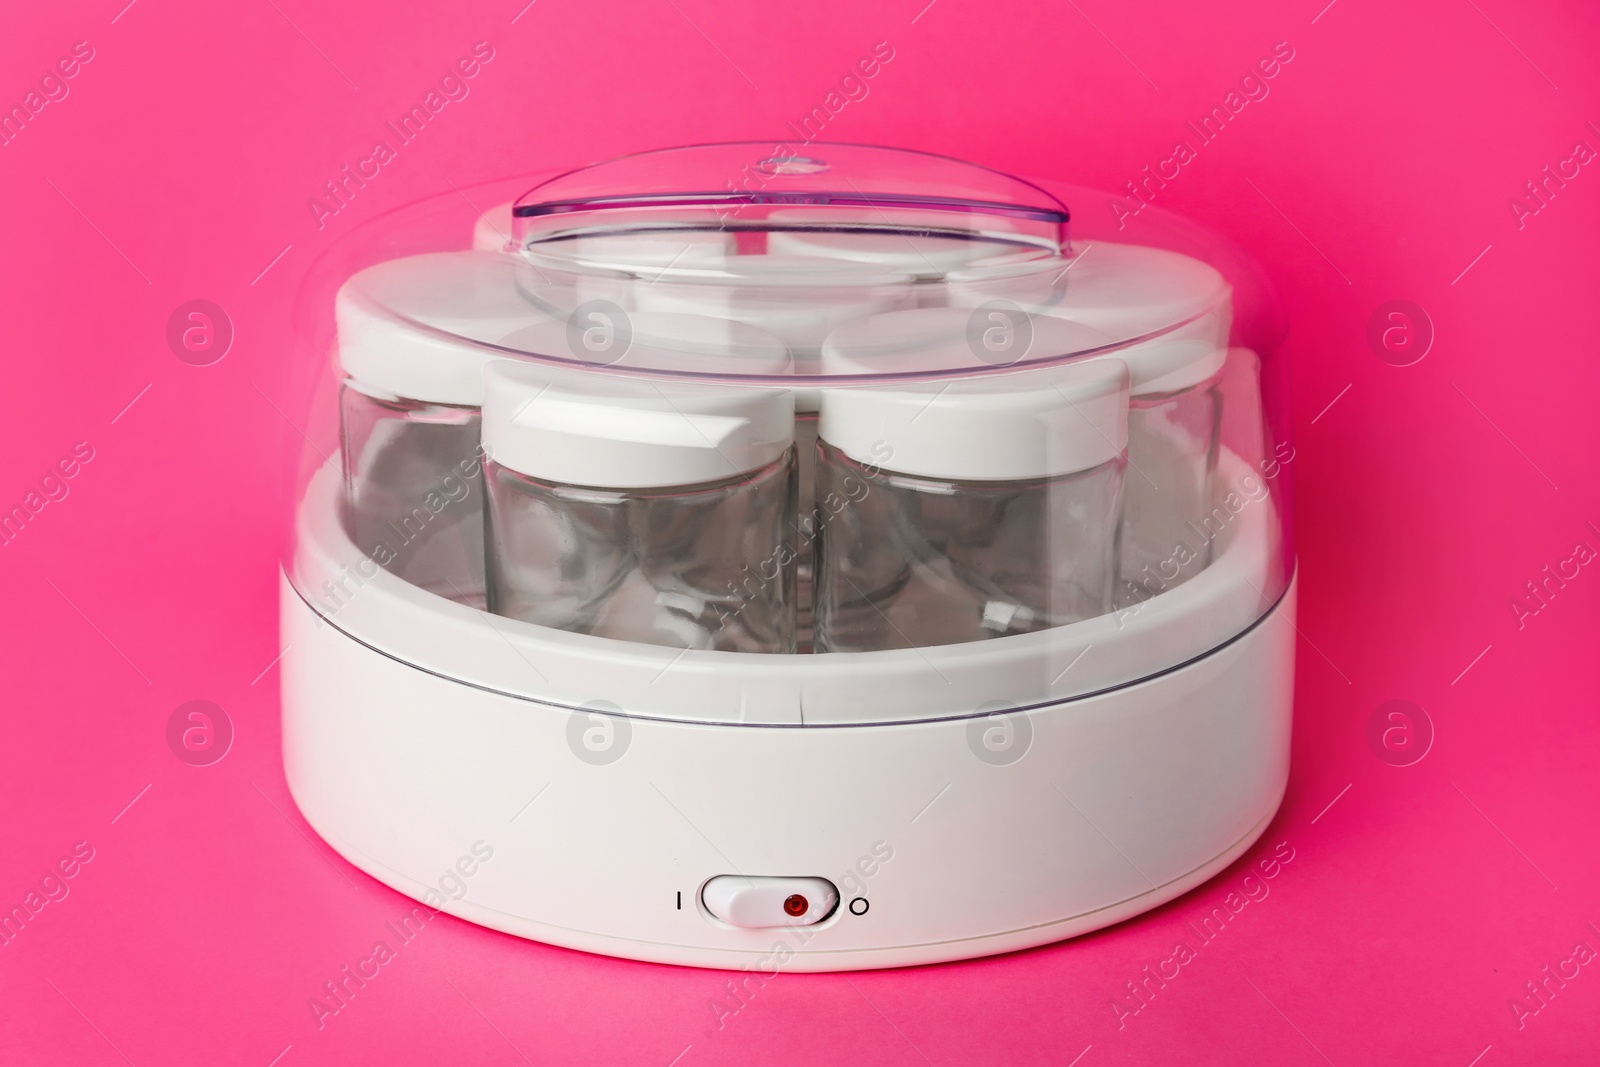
x=643, y=250
x=1127, y=291
x=656, y=340
x=916, y=254
x=952, y=339
x=798, y=298
x=492, y=231
x=649, y=253
x=748, y=276
x=894, y=243
x=629, y=433
x=1031, y=424
x=407, y=327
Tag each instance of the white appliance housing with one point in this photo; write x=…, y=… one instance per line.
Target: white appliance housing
x=908, y=805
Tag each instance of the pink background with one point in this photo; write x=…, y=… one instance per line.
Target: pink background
x=1379, y=167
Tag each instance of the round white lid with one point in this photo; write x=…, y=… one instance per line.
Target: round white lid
x=1127, y=291
x=897, y=238
x=799, y=298
x=629, y=433
x=803, y=318
x=606, y=335
x=913, y=253
x=1032, y=424
x=721, y=270
x=645, y=250
x=650, y=253
x=952, y=339
x=492, y=231
x=406, y=327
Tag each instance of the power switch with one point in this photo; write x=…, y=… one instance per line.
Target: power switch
x=755, y=902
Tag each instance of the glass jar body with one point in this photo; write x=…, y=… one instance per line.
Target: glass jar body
x=709, y=566
x=909, y=562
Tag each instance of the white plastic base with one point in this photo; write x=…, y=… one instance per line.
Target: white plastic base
x=941, y=850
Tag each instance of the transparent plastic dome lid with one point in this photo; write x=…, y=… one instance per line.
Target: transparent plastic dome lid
x=835, y=188
x=746, y=433
x=799, y=246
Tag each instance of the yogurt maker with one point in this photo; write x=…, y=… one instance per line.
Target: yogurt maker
x=747, y=558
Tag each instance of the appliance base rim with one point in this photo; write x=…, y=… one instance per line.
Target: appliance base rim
x=815, y=961
x=395, y=768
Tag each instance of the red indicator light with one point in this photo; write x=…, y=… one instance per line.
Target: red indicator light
x=796, y=905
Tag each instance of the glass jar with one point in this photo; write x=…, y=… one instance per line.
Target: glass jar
x=961, y=511
x=409, y=411
x=1166, y=533
x=1184, y=307
x=641, y=511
